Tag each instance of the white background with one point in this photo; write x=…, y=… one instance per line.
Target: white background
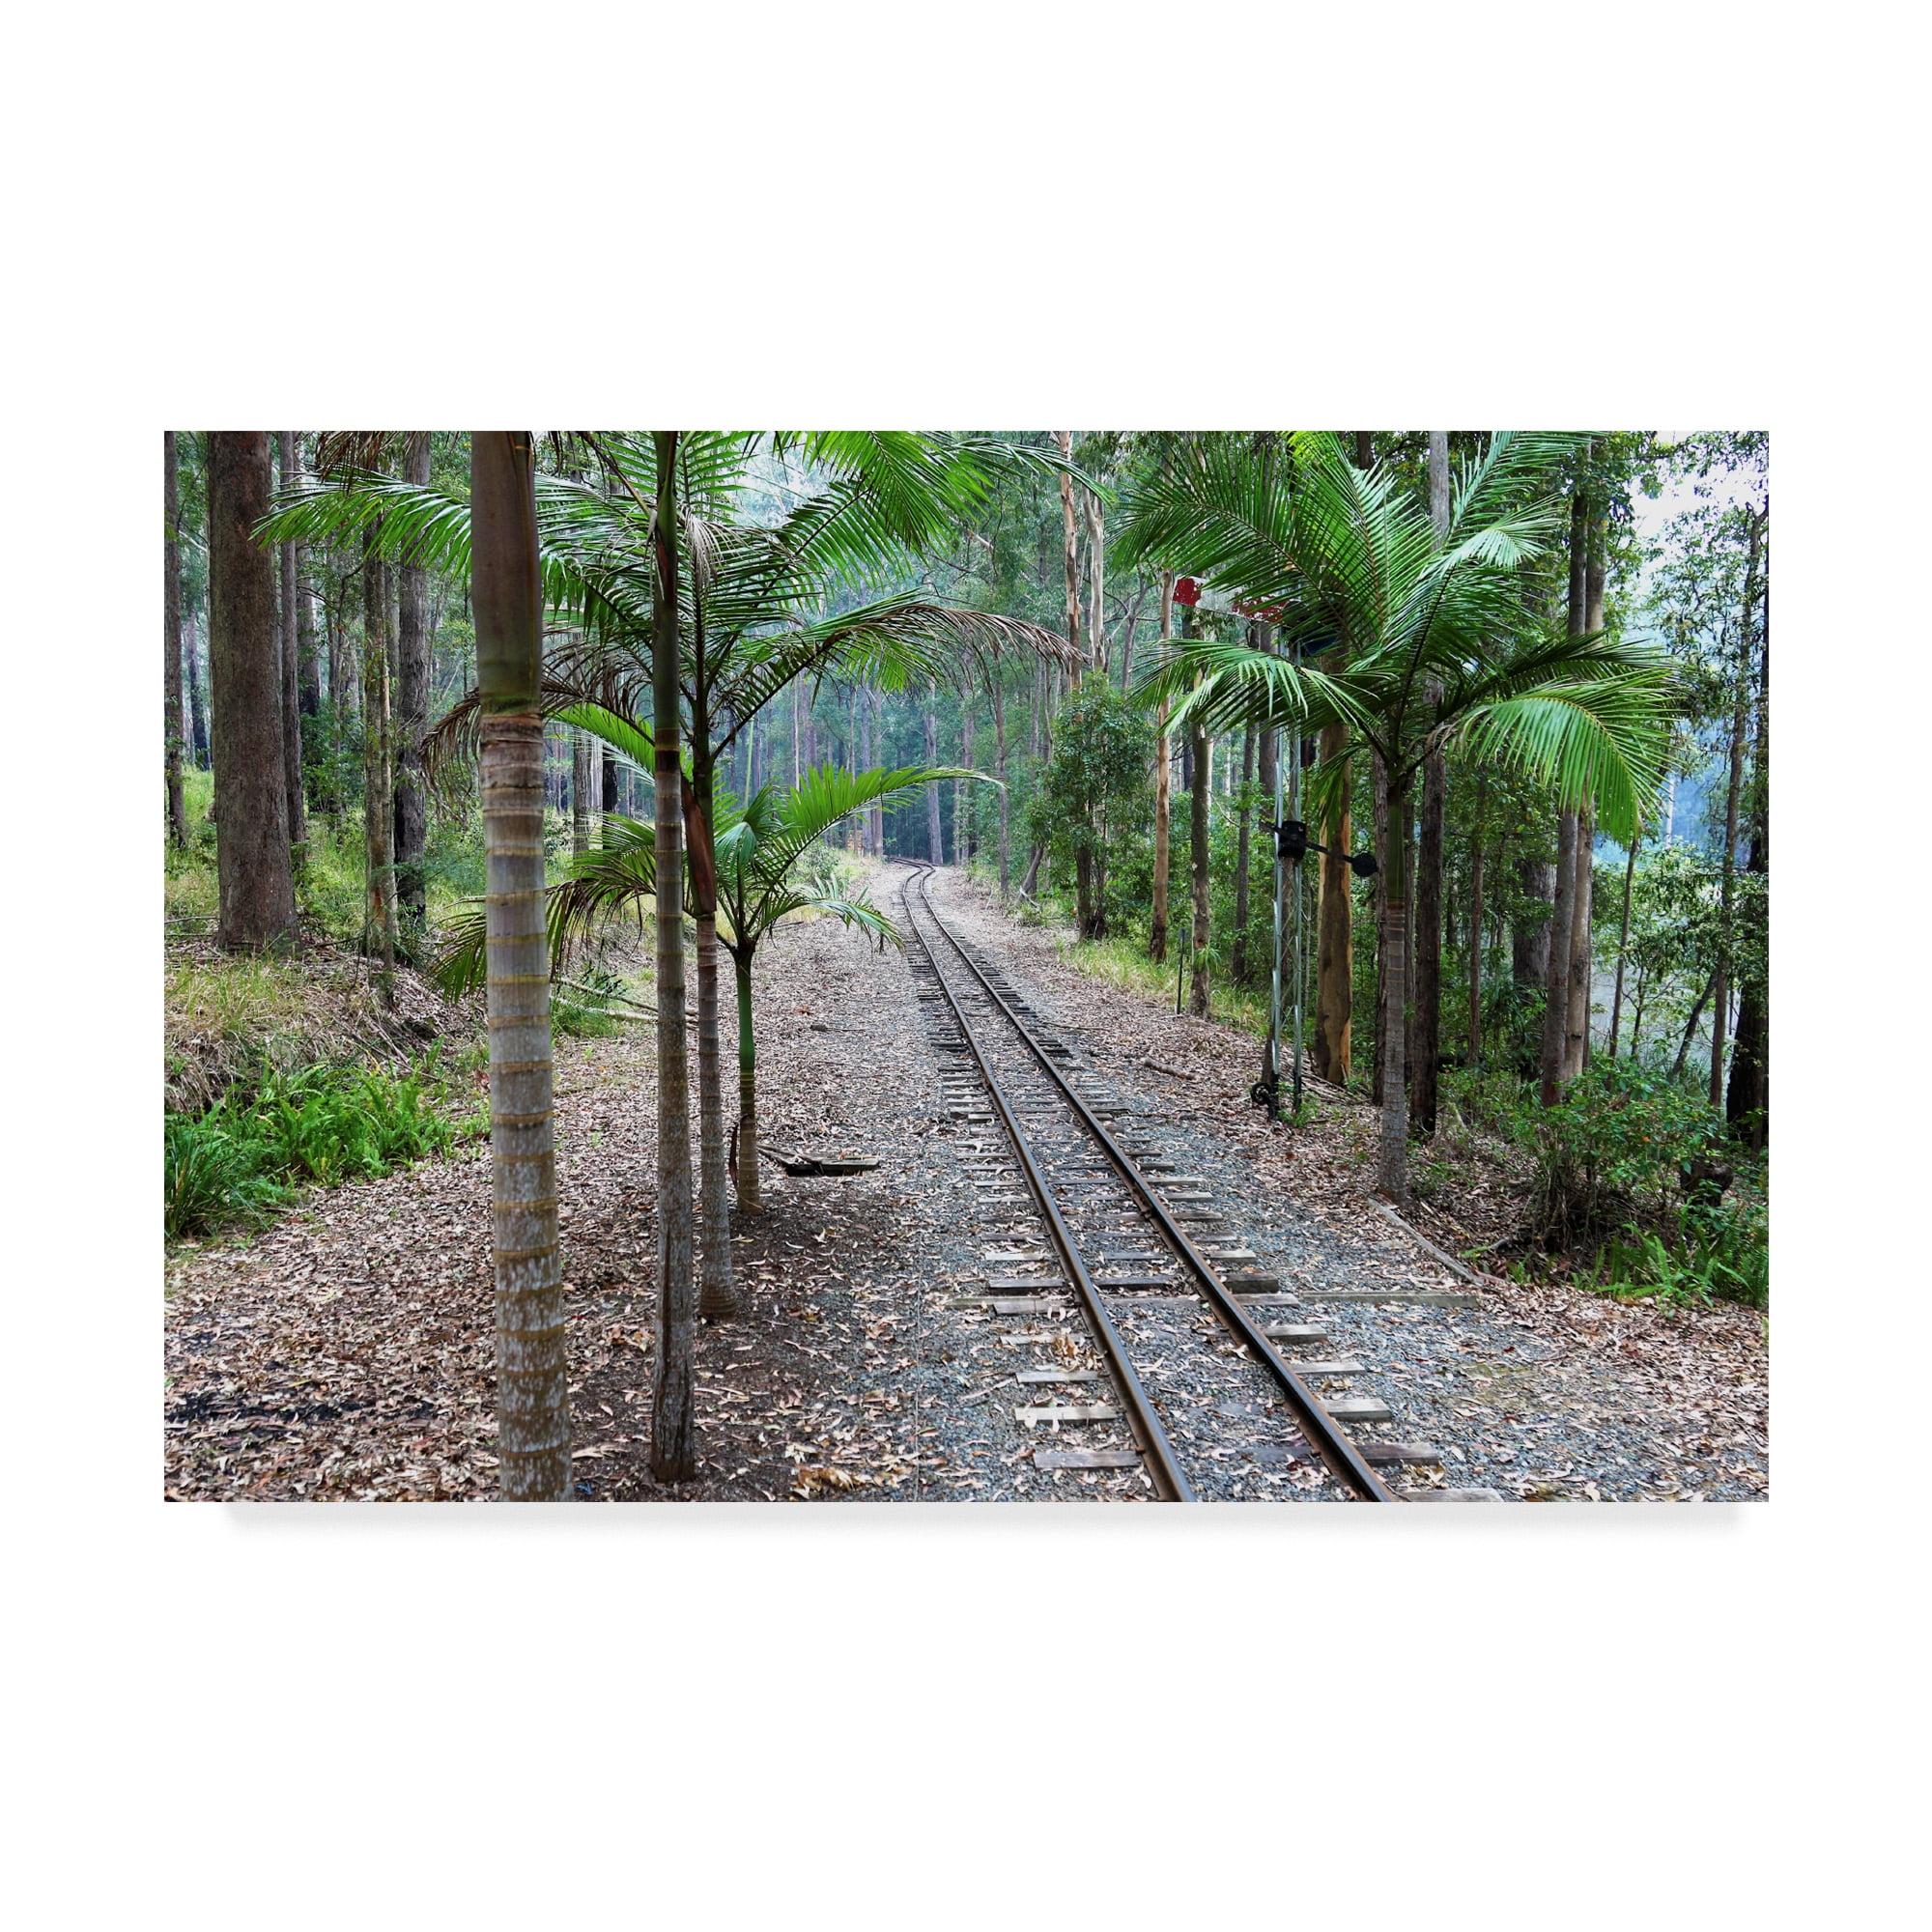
x=993, y=217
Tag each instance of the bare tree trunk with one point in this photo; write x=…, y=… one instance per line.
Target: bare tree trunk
x=994, y=686
x=1237, y=958
x=1720, y=999
x=875, y=744
x=1691, y=1027
x=1476, y=938
x=1582, y=968
x=171, y=645
x=308, y=669
x=533, y=1365
x=1425, y=1047
x=1335, y=936
x=379, y=918
x=1556, y=985
x=673, y=1435
x=582, y=761
x=1623, y=942
x=198, y=735
x=934, y=828
x=412, y=716
x=257, y=890
x=1529, y=941
x=1197, y=845
x=1163, y=797
x=1085, y=916
x=1748, y=1098
x=962, y=803
x=1380, y=808
x=1392, y=1178
x=292, y=743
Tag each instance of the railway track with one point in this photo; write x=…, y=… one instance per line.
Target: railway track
x=1098, y=1221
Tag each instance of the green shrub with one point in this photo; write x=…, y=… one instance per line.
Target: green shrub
x=242, y=1160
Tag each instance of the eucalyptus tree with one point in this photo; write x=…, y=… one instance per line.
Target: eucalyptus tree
x=290, y=648
x=1350, y=565
x=532, y=1370
x=171, y=640
x=257, y=887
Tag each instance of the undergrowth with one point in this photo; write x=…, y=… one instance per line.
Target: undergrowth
x=242, y=1161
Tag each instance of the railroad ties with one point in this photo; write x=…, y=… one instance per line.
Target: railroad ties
x=1143, y=1331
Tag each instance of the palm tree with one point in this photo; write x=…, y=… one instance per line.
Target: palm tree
x=533, y=1380
x=1353, y=571
x=763, y=878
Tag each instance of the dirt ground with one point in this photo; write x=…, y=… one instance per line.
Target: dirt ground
x=346, y=1351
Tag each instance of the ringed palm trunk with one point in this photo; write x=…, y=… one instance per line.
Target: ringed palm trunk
x=579, y=792
x=1393, y=1177
x=532, y=1366
x=750, y=1199
x=716, y=1297
x=674, y=1443
x=1556, y=986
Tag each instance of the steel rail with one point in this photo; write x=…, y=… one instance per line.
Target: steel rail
x=1343, y=1460
x=1143, y=1422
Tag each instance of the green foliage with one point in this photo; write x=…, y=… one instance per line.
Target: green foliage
x=244, y=1158
x=1097, y=782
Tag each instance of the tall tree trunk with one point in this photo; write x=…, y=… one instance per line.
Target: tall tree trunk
x=962, y=803
x=583, y=763
x=1691, y=1026
x=876, y=740
x=197, y=708
x=673, y=1437
x=171, y=645
x=308, y=667
x=1748, y=1098
x=1556, y=985
x=717, y=1296
x=257, y=890
x=935, y=832
x=1555, y=1057
x=1238, y=954
x=1335, y=936
x=1425, y=1046
x=378, y=825
x=1392, y=1178
x=997, y=692
x=292, y=737
x=1097, y=582
x=1476, y=937
x=1378, y=804
x=749, y=1200
x=533, y=1365
x=1720, y=999
x=1083, y=852
x=1623, y=941
x=412, y=716
x=1582, y=968
x=1163, y=796
x=1197, y=846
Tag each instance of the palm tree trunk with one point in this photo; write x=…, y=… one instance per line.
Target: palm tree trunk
x=749, y=1199
x=1379, y=807
x=1392, y=1178
x=532, y=1366
x=171, y=643
x=717, y=1296
x=1335, y=936
x=411, y=714
x=379, y=919
x=1577, y=1005
x=1198, y=856
x=257, y=890
x=1163, y=796
x=673, y=1444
